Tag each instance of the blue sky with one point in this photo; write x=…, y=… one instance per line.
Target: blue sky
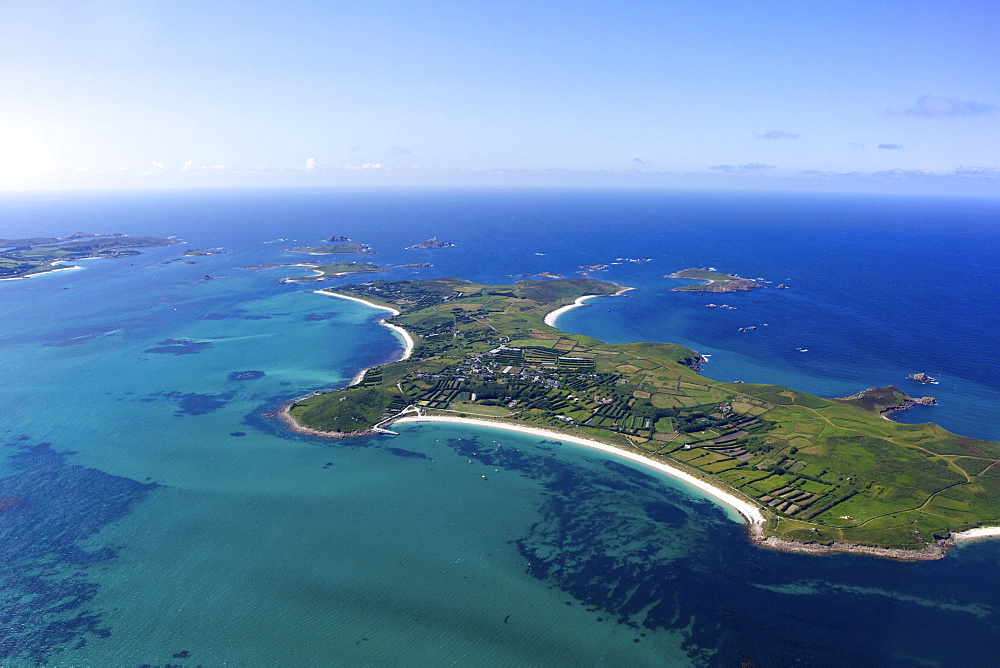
x=899, y=96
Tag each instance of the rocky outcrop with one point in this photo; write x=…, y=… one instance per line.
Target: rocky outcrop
x=433, y=242
x=931, y=552
x=694, y=363
x=909, y=403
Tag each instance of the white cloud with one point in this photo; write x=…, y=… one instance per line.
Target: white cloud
x=748, y=167
x=311, y=164
x=366, y=165
x=188, y=166
x=936, y=106
x=776, y=134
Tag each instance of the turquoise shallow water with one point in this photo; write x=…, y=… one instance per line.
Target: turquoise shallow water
x=170, y=520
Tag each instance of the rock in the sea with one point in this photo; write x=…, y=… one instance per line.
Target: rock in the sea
x=921, y=377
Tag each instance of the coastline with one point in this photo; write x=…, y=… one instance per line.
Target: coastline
x=402, y=333
x=750, y=513
x=284, y=414
x=42, y=273
x=753, y=515
x=552, y=316
x=975, y=534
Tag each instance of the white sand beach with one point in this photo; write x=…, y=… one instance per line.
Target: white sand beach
x=552, y=316
x=750, y=512
x=972, y=534
x=402, y=333
x=43, y=273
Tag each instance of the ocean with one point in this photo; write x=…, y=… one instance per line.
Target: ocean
x=153, y=513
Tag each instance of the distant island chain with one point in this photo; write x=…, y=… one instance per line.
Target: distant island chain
x=808, y=474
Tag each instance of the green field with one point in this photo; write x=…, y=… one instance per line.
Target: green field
x=822, y=469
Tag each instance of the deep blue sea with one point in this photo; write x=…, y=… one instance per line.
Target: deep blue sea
x=151, y=512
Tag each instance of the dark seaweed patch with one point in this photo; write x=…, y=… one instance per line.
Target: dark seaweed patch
x=192, y=403
x=666, y=513
x=315, y=317
x=43, y=569
x=663, y=569
x=179, y=347
x=200, y=404
x=400, y=452
x=241, y=314
x=245, y=375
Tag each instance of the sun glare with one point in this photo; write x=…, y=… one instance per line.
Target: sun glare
x=25, y=151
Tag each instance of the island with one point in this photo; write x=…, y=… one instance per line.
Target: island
x=23, y=258
x=809, y=474
x=333, y=249
x=922, y=377
x=544, y=274
x=714, y=281
x=325, y=271
x=433, y=242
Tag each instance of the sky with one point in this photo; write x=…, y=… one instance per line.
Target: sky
x=824, y=95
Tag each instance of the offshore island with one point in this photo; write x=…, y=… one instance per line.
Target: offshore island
x=714, y=281
x=808, y=474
